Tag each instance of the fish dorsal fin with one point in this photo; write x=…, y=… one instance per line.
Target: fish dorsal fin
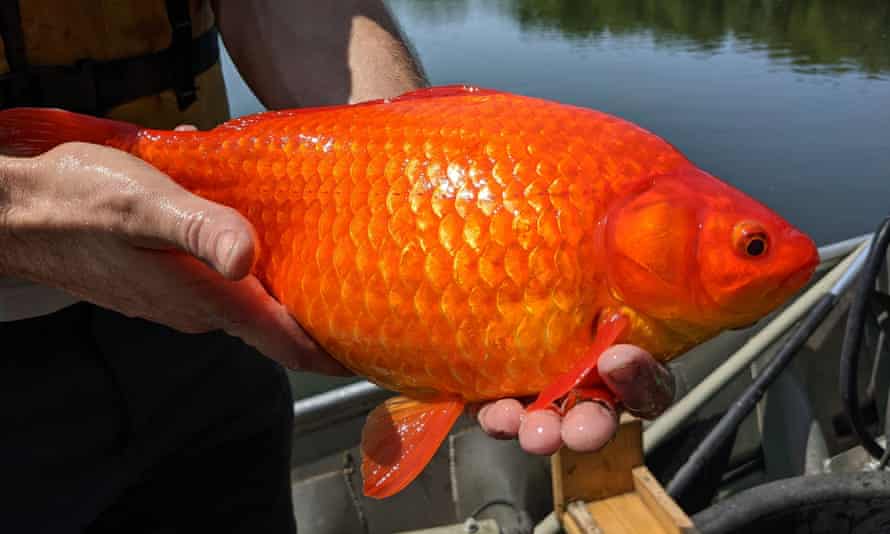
x=446, y=90
x=241, y=123
x=400, y=437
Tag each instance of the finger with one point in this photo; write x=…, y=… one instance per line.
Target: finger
x=264, y=323
x=186, y=128
x=200, y=301
x=645, y=387
x=539, y=432
x=136, y=202
x=153, y=211
x=216, y=234
x=588, y=426
x=501, y=419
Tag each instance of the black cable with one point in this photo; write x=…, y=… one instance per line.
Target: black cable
x=835, y=502
x=740, y=409
x=849, y=364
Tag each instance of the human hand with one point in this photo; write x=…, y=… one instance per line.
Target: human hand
x=644, y=386
x=113, y=230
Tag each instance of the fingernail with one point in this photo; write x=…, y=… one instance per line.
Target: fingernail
x=626, y=374
x=225, y=246
x=644, y=404
x=613, y=413
x=665, y=380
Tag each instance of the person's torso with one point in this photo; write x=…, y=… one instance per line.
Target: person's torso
x=63, y=33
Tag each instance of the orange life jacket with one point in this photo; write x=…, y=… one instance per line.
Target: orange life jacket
x=153, y=62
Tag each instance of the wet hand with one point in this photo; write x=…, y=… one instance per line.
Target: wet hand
x=645, y=388
x=113, y=230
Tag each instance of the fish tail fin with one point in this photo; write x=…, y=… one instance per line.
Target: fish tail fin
x=400, y=438
x=33, y=131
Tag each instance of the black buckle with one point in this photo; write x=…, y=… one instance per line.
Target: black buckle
x=184, y=80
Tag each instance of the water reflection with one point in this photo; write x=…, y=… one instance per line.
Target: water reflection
x=810, y=35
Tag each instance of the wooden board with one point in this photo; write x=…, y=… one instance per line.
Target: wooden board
x=621, y=514
x=611, y=492
x=669, y=515
x=607, y=472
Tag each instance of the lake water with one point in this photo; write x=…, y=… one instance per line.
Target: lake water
x=789, y=101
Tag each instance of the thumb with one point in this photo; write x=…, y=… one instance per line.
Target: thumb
x=645, y=387
x=219, y=236
x=215, y=234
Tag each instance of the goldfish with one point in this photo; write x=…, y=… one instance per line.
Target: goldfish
x=459, y=244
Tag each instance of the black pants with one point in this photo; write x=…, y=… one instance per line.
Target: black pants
x=112, y=424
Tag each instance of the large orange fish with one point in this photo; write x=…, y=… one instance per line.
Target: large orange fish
x=458, y=244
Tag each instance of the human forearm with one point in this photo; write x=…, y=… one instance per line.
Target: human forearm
x=308, y=53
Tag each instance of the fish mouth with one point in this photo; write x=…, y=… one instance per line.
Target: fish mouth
x=799, y=278
x=777, y=296
x=789, y=286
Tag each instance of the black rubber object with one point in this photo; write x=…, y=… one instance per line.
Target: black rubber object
x=847, y=503
x=849, y=361
x=669, y=457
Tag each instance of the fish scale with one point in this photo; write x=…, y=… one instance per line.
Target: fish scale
x=431, y=244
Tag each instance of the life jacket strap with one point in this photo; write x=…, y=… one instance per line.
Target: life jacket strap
x=181, y=52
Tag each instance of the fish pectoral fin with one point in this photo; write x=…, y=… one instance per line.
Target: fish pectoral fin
x=583, y=375
x=400, y=438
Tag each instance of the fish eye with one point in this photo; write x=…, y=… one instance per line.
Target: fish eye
x=756, y=245
x=750, y=239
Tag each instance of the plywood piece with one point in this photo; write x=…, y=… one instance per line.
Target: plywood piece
x=601, y=474
x=671, y=517
x=611, y=492
x=621, y=514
